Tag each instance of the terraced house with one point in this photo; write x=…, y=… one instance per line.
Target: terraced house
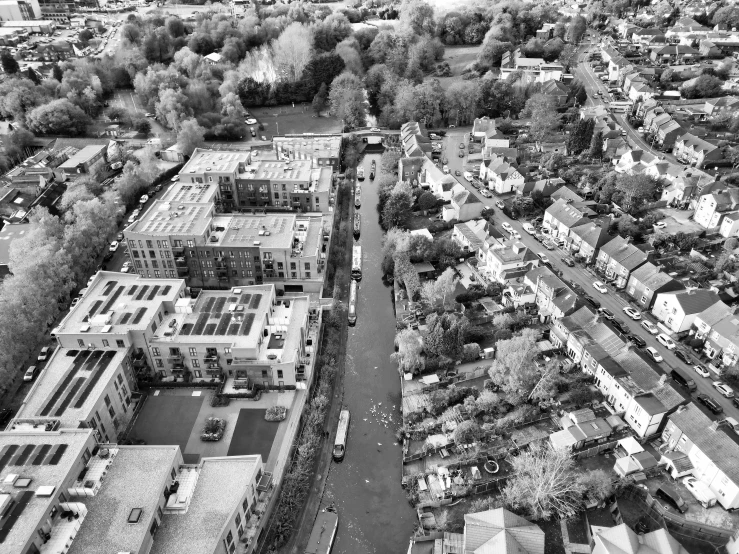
x=618, y=258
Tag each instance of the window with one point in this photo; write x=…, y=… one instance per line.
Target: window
x=198, y=374
x=119, y=343
x=238, y=517
x=264, y=373
x=230, y=537
x=105, y=343
x=135, y=515
x=307, y=266
x=193, y=352
x=155, y=351
x=107, y=400
x=307, y=274
x=111, y=411
x=80, y=343
x=279, y=374
x=158, y=362
x=195, y=363
x=154, y=527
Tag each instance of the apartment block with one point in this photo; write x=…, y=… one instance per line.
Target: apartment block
x=321, y=150
x=256, y=179
x=81, y=388
x=65, y=493
x=245, y=333
x=183, y=236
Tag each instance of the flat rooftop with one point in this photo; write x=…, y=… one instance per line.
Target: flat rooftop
x=218, y=161
x=180, y=193
x=83, y=156
x=294, y=170
x=119, y=302
x=135, y=479
x=327, y=146
x=166, y=218
x=44, y=458
x=222, y=483
x=265, y=231
x=70, y=385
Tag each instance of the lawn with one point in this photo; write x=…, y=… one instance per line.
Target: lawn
x=253, y=434
x=167, y=420
x=458, y=57
x=283, y=120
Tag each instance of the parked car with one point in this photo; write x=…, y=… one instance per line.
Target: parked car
x=702, y=371
x=652, y=353
x=569, y=262
x=44, y=354
x=132, y=218
x=672, y=498
x=543, y=257
x=458, y=173
x=649, y=326
x=113, y=246
x=461, y=145
x=30, y=373
x=250, y=121
x=724, y=389
x=461, y=154
x=74, y=302
x=666, y=341
x=637, y=340
x=700, y=491
x=606, y=313
x=600, y=287
x=592, y=301
x=149, y=114
x=621, y=326
x=709, y=403
x=549, y=245
x=632, y=313
x=119, y=237
x=682, y=356
x=486, y=193
x=507, y=226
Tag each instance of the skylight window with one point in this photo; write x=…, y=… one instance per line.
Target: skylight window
x=135, y=515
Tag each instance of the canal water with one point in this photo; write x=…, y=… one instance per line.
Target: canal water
x=374, y=514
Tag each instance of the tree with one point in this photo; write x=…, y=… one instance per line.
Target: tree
x=417, y=16
x=543, y=483
x=666, y=78
x=514, y=370
x=157, y=46
x=728, y=15
x=596, y=146
x=543, y=110
x=74, y=193
x=492, y=51
x=704, y=86
x=142, y=126
x=597, y=485
x=346, y=98
x=58, y=117
x=190, y=137
x=410, y=345
x=427, y=201
x=463, y=97
x=576, y=29
x=444, y=335
x=131, y=34
x=441, y=290
x=467, y=432
x=397, y=210
x=320, y=100
x=389, y=162
x=10, y=65
x=331, y=31
x=636, y=189
x=292, y=51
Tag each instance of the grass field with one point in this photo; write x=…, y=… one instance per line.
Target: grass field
x=458, y=57
x=253, y=434
x=282, y=120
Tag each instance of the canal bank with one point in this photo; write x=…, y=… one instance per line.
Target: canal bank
x=374, y=514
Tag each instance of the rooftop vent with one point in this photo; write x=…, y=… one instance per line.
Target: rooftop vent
x=107, y=328
x=237, y=291
x=46, y=490
x=85, y=328
x=257, y=243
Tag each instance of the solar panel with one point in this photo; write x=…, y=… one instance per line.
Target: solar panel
x=70, y=395
x=125, y=318
x=56, y=454
x=21, y=454
x=142, y=292
x=255, y=301
x=200, y=324
x=21, y=501
x=248, y=322
x=139, y=314
x=78, y=361
x=233, y=329
x=223, y=324
x=24, y=453
x=208, y=304
x=232, y=299
x=245, y=298
x=210, y=329
x=165, y=290
x=153, y=292
x=186, y=329
x=95, y=307
x=40, y=454
x=112, y=300
x=132, y=290
x=109, y=287
x=220, y=303
x=6, y=453
x=92, y=360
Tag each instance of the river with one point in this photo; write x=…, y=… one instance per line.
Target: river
x=374, y=514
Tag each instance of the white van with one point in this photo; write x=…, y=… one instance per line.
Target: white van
x=529, y=228
x=468, y=176
x=700, y=491
x=733, y=423
x=446, y=169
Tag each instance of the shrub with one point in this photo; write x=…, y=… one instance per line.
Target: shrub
x=213, y=429
x=470, y=352
x=276, y=413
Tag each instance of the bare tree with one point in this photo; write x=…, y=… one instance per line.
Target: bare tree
x=293, y=50
x=544, y=483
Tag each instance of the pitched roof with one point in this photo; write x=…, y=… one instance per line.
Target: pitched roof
x=715, y=313
x=566, y=213
x=715, y=444
x=592, y=234
x=624, y=253
x=501, y=532
x=650, y=276
x=694, y=301
x=698, y=144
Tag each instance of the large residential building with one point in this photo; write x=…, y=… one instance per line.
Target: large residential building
x=322, y=150
x=713, y=207
x=622, y=540
x=719, y=326
x=247, y=334
x=553, y=297
x=64, y=492
x=183, y=236
x=713, y=454
x=257, y=179
x=503, y=261
x=563, y=216
x=695, y=151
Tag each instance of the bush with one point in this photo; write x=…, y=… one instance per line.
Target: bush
x=471, y=352
x=276, y=413
x=467, y=432
x=213, y=429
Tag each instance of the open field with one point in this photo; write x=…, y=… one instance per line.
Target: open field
x=281, y=120
x=458, y=58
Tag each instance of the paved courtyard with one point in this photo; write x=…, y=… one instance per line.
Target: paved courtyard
x=177, y=416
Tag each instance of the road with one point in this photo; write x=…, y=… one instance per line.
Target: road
x=586, y=75
x=578, y=275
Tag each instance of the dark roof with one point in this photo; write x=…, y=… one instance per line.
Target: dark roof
x=695, y=301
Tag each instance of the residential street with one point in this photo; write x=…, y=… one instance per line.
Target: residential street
x=580, y=276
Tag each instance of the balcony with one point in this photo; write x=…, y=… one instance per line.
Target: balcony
x=210, y=358
x=180, y=262
x=138, y=360
x=175, y=357
x=64, y=528
x=178, y=250
x=183, y=271
x=221, y=265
